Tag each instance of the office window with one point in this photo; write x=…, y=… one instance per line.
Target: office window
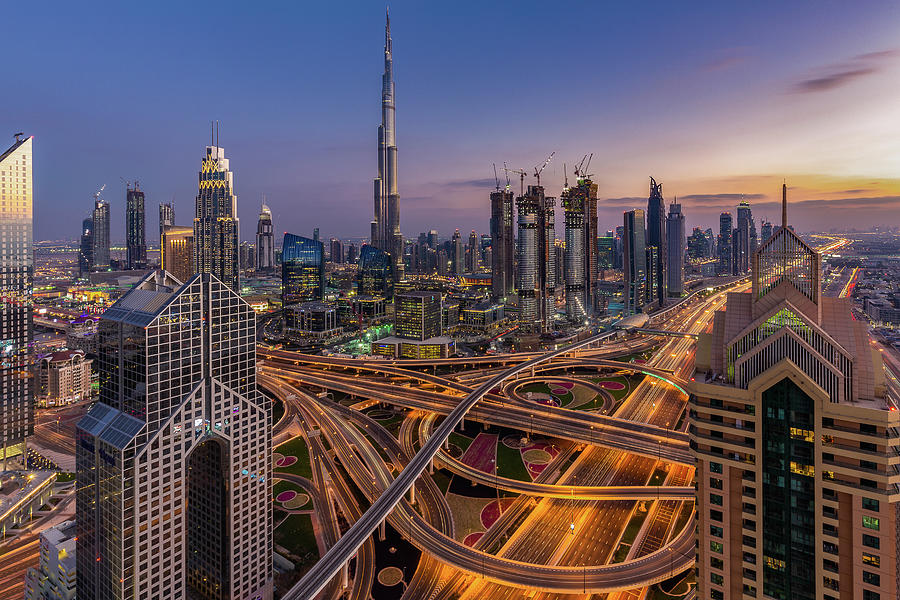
x=870, y=504
x=716, y=531
x=871, y=578
x=872, y=560
x=715, y=467
x=717, y=499
x=716, y=546
x=871, y=541
x=871, y=523
x=716, y=578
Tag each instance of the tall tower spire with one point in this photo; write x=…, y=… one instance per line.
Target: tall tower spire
x=386, y=225
x=784, y=204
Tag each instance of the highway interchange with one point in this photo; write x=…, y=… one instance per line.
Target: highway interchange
x=559, y=533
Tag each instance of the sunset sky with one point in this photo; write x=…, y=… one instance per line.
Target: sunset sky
x=714, y=100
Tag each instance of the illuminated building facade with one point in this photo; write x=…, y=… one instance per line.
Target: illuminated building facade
x=796, y=441
x=417, y=315
x=100, y=234
x=135, y=228
x=536, y=269
x=656, y=238
x=177, y=251
x=265, y=241
x=174, y=461
x=216, y=225
x=574, y=256
x=16, y=275
x=675, y=238
x=302, y=269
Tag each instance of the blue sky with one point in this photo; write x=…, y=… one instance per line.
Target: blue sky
x=713, y=99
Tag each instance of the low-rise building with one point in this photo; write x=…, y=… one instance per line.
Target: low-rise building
x=312, y=319
x=395, y=347
x=81, y=334
x=55, y=578
x=482, y=316
x=62, y=378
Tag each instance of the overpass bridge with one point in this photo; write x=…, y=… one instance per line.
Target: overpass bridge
x=649, y=569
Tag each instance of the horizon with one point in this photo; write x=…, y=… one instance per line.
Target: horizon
x=714, y=103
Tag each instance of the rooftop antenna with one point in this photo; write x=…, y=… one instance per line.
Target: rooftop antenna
x=18, y=135
x=217, y=139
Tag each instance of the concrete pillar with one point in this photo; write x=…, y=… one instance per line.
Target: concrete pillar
x=431, y=466
x=412, y=494
x=345, y=574
x=382, y=530
x=446, y=443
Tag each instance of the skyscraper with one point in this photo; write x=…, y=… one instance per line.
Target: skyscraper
x=634, y=261
x=86, y=250
x=656, y=237
x=574, y=211
x=746, y=239
x=793, y=427
x=16, y=270
x=386, y=226
x=374, y=277
x=726, y=263
x=216, y=225
x=458, y=254
x=166, y=216
x=765, y=231
x=536, y=273
x=582, y=198
x=265, y=240
x=675, y=239
x=176, y=251
x=174, y=461
x=302, y=269
x=135, y=228
x=473, y=254
x=100, y=241
x=337, y=251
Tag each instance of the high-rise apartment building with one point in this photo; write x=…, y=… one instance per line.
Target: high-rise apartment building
x=795, y=437
x=536, y=272
x=457, y=254
x=675, y=253
x=86, y=248
x=582, y=198
x=265, y=241
x=216, y=225
x=174, y=461
x=765, y=231
x=16, y=271
x=55, y=578
x=166, y=216
x=573, y=210
x=724, y=244
x=656, y=237
x=247, y=256
x=473, y=254
x=744, y=239
x=302, y=269
x=698, y=245
x=177, y=251
x=502, y=244
x=135, y=228
x=337, y=251
x=100, y=239
x=606, y=250
x=634, y=261
x=386, y=226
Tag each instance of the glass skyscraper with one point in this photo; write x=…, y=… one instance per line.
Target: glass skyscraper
x=375, y=274
x=265, y=241
x=86, y=250
x=302, y=269
x=16, y=271
x=100, y=239
x=216, y=225
x=174, y=461
x=634, y=261
x=135, y=228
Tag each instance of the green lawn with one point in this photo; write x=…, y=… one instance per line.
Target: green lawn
x=296, y=447
x=442, y=479
x=631, y=531
x=659, y=475
x=510, y=463
x=65, y=477
x=460, y=440
x=296, y=535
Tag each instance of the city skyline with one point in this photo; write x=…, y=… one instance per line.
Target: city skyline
x=761, y=94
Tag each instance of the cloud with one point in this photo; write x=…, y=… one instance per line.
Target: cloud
x=839, y=74
x=719, y=199
x=728, y=58
x=487, y=182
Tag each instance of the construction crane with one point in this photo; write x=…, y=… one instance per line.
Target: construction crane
x=496, y=179
x=581, y=169
x=538, y=171
x=521, y=175
x=97, y=195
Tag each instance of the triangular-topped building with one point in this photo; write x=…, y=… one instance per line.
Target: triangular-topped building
x=796, y=439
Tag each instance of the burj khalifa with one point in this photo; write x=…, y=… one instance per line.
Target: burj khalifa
x=386, y=226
